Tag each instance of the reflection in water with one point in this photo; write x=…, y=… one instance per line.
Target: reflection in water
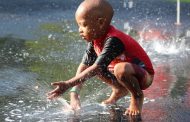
x=171, y=84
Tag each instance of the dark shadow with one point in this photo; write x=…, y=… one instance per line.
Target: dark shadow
x=11, y=52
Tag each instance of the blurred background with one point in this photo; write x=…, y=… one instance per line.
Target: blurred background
x=40, y=44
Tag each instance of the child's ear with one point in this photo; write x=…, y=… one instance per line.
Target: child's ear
x=101, y=21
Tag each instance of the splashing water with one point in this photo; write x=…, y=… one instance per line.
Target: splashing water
x=162, y=42
x=171, y=47
x=26, y=101
x=30, y=104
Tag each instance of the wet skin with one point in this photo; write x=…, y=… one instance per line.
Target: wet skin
x=125, y=74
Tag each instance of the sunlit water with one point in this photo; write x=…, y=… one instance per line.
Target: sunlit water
x=23, y=91
x=26, y=101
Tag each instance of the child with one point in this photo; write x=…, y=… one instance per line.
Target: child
x=111, y=55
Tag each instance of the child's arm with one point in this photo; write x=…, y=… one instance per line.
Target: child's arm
x=80, y=69
x=83, y=76
x=63, y=86
x=74, y=92
x=112, y=48
x=88, y=59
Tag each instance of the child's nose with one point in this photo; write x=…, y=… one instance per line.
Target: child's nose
x=80, y=30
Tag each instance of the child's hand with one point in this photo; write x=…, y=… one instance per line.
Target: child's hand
x=61, y=87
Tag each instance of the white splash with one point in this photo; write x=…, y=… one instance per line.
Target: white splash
x=66, y=107
x=165, y=49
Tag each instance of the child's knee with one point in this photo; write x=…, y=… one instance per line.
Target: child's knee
x=120, y=71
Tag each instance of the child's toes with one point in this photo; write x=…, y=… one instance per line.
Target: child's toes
x=134, y=113
x=127, y=112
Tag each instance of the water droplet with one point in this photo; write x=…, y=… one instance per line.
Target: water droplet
x=20, y=101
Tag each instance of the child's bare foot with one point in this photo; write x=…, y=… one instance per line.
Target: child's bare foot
x=135, y=107
x=115, y=95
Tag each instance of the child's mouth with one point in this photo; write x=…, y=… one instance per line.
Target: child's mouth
x=83, y=37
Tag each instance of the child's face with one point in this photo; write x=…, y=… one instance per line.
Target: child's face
x=89, y=27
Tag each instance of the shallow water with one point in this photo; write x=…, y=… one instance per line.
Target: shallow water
x=30, y=61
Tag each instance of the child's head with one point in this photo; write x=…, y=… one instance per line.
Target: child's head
x=93, y=18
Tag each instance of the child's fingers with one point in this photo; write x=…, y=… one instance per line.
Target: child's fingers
x=54, y=91
x=56, y=83
x=54, y=95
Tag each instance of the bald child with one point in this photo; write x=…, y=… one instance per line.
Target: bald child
x=114, y=57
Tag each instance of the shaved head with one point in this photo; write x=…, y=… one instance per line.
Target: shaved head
x=96, y=8
x=93, y=18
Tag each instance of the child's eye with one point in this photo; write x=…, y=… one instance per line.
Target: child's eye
x=84, y=25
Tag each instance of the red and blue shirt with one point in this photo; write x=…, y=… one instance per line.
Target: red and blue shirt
x=116, y=47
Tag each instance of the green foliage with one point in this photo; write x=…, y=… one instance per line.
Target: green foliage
x=2, y=41
x=53, y=71
x=52, y=27
x=47, y=53
x=12, y=50
x=52, y=38
x=57, y=27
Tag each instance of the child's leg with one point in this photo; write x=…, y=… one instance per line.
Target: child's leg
x=118, y=91
x=133, y=78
